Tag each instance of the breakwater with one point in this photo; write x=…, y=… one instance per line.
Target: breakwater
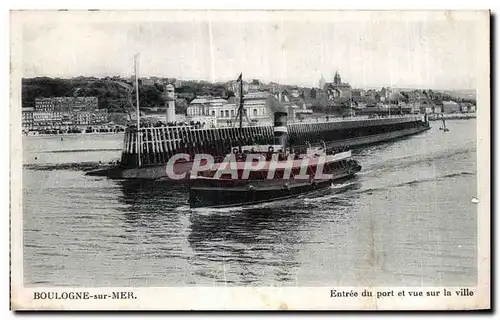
x=451, y=116
x=158, y=144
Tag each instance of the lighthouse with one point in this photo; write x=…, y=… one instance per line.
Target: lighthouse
x=170, y=103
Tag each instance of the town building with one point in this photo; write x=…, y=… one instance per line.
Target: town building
x=322, y=82
x=385, y=93
x=205, y=109
x=274, y=87
x=255, y=85
x=314, y=93
x=450, y=107
x=467, y=107
x=65, y=104
x=27, y=118
x=425, y=109
x=59, y=112
x=46, y=119
x=147, y=81
x=254, y=104
x=234, y=86
x=205, y=106
x=295, y=92
x=358, y=93
x=337, y=88
x=372, y=94
x=151, y=81
x=300, y=112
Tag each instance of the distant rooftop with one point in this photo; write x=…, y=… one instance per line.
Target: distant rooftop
x=256, y=95
x=208, y=99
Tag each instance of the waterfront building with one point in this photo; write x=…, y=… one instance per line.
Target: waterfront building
x=208, y=109
x=27, y=118
x=81, y=118
x=45, y=104
x=99, y=116
x=64, y=112
x=205, y=106
x=225, y=112
x=254, y=104
x=46, y=119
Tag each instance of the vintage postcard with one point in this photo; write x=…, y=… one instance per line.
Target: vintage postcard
x=250, y=160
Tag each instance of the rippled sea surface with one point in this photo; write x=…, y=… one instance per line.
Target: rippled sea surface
x=406, y=219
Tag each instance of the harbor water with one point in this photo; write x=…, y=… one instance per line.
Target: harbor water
x=406, y=220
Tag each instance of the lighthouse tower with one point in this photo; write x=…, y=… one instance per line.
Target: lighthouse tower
x=170, y=103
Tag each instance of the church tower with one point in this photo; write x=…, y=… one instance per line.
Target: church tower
x=336, y=79
x=322, y=82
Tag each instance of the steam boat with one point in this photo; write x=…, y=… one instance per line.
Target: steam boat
x=264, y=185
x=278, y=173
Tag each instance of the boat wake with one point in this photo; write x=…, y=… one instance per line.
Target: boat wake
x=416, y=182
x=343, y=186
x=80, y=166
x=80, y=150
x=411, y=160
x=215, y=211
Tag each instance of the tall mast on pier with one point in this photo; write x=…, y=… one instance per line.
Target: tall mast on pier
x=138, y=114
x=240, y=110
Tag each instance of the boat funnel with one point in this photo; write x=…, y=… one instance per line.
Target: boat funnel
x=280, y=128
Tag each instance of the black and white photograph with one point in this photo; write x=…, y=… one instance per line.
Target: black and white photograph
x=257, y=160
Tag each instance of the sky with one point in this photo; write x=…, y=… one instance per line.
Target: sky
x=428, y=50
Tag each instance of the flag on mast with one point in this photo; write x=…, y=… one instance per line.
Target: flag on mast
x=138, y=113
x=239, y=78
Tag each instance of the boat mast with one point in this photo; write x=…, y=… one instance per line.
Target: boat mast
x=240, y=111
x=138, y=115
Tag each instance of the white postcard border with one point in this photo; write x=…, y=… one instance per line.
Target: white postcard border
x=252, y=298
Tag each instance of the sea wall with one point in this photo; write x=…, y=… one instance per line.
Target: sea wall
x=158, y=144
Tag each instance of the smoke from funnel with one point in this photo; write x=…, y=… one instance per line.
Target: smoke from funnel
x=273, y=105
x=279, y=113
x=280, y=128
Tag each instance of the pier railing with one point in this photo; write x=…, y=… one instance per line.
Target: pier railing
x=158, y=144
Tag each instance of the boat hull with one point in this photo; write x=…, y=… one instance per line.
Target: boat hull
x=200, y=197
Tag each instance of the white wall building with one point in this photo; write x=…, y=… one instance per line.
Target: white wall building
x=204, y=105
x=254, y=104
x=254, y=107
